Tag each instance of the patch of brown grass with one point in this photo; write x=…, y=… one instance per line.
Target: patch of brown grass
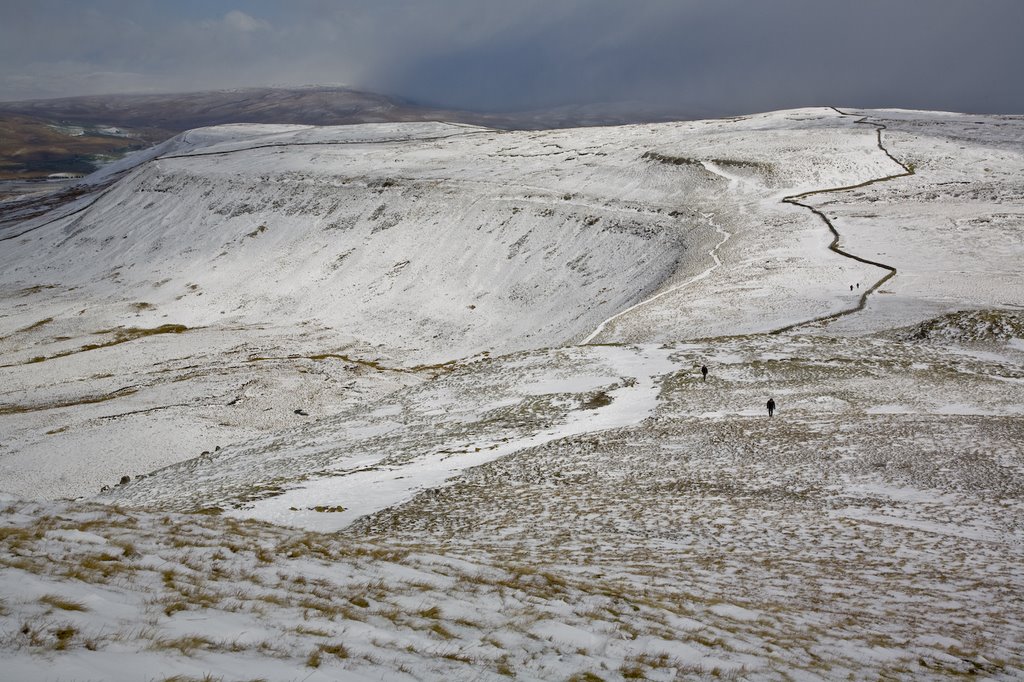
x=55, y=405
x=121, y=335
x=186, y=645
x=58, y=602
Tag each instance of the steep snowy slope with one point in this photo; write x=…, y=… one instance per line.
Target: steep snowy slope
x=437, y=241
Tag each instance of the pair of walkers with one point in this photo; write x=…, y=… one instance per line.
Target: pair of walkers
x=771, y=401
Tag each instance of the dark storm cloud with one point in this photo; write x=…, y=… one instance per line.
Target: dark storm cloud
x=743, y=55
x=706, y=57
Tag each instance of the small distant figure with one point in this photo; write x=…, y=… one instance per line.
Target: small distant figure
x=851, y=287
x=704, y=372
x=771, y=406
x=858, y=285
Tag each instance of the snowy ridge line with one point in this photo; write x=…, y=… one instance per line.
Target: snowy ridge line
x=714, y=255
x=101, y=192
x=332, y=143
x=794, y=199
x=879, y=127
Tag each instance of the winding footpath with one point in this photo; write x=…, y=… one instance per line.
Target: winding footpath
x=709, y=217
x=795, y=199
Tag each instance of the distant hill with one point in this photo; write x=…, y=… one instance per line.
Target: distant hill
x=39, y=138
x=35, y=147
x=75, y=134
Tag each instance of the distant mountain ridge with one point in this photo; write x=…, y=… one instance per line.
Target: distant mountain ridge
x=181, y=111
x=67, y=135
x=43, y=137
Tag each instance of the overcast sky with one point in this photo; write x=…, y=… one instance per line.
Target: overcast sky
x=701, y=56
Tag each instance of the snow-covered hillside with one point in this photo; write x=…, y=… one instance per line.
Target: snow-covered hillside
x=438, y=241
x=474, y=355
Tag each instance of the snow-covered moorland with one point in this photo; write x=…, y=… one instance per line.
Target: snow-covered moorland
x=445, y=385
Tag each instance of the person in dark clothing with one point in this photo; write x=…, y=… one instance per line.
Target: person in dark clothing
x=704, y=372
x=771, y=406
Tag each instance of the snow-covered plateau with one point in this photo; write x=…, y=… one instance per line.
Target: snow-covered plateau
x=422, y=401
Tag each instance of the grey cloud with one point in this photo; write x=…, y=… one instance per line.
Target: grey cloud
x=240, y=21
x=719, y=57
x=734, y=56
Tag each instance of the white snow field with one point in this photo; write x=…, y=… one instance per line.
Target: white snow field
x=422, y=402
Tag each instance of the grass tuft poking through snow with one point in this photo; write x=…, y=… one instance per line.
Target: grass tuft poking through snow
x=58, y=602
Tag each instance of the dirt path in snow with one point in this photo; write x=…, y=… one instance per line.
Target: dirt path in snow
x=795, y=199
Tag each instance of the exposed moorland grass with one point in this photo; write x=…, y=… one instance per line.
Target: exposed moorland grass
x=216, y=564
x=436, y=368
x=57, y=404
x=759, y=166
x=120, y=335
x=36, y=325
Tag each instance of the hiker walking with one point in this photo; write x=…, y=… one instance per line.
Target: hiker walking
x=704, y=372
x=771, y=406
